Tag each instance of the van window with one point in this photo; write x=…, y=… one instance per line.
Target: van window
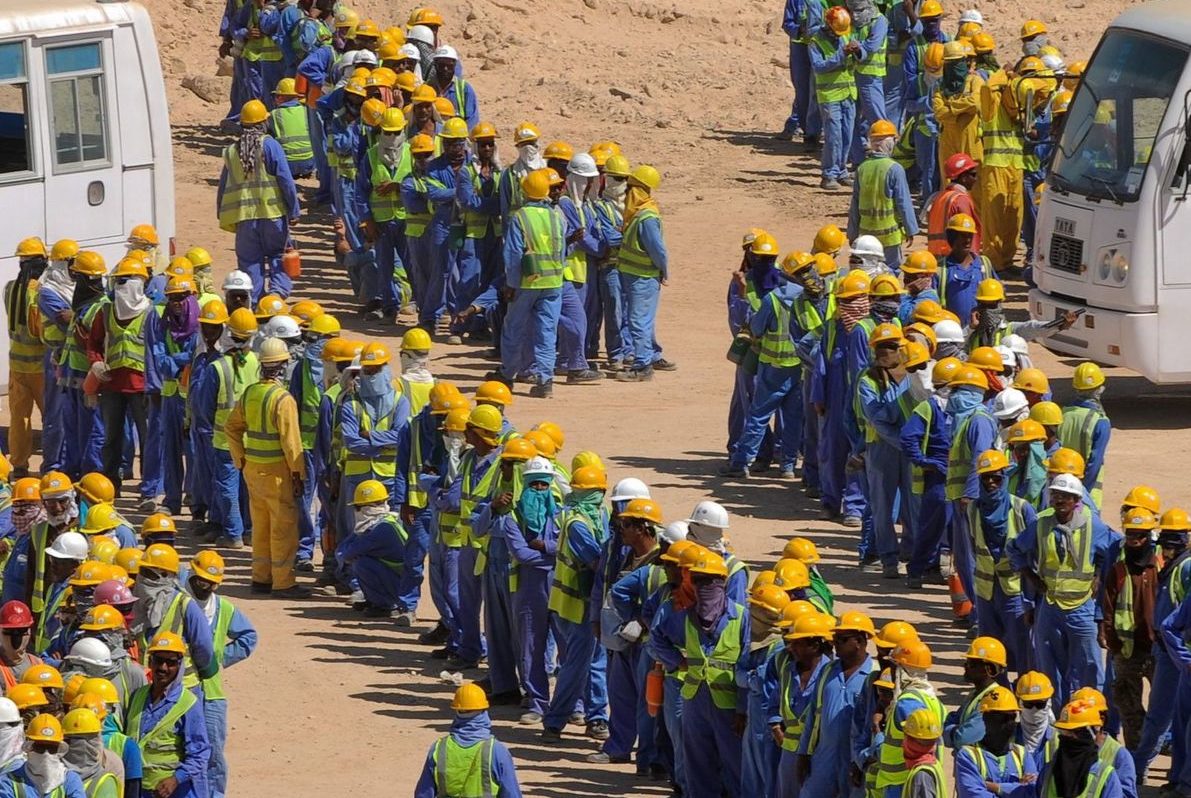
x=16, y=149
x=77, y=115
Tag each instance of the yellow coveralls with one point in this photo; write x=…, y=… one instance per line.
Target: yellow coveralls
x=1000, y=196
x=959, y=122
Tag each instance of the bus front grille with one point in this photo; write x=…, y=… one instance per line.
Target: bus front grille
x=1066, y=254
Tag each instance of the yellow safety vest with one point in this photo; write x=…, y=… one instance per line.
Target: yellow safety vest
x=162, y=748
x=878, y=215
x=232, y=383
x=835, y=85
x=776, y=347
x=262, y=48
x=990, y=572
x=414, y=495
x=1002, y=136
x=542, y=231
x=891, y=769
x=383, y=465
x=632, y=258
x=247, y=197
x=416, y=393
x=1097, y=780
x=292, y=127
x=570, y=589
x=716, y=670
x=575, y=268
x=125, y=345
x=174, y=621
x=477, y=223
x=1079, y=423
x=463, y=771
x=386, y=207
x=213, y=686
x=25, y=348
x=959, y=459
x=1068, y=578
x=262, y=440
x=417, y=222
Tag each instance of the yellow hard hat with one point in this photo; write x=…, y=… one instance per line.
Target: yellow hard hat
x=72, y=689
x=829, y=239
x=543, y=443
x=525, y=132
x=1079, y=715
x=32, y=247
x=1048, y=414
x=791, y=574
x=795, y=262
x=90, y=573
x=44, y=676
x=1176, y=519
x=456, y=420
x=483, y=130
x=324, y=324
x=1139, y=518
x=590, y=478
x=929, y=311
x=454, y=128
x=923, y=724
x=769, y=597
x=1066, y=461
x=1032, y=380
x=26, y=696
x=885, y=334
x=102, y=617
x=825, y=264
x=999, y=699
x=554, y=431
x=838, y=20
x=486, y=418
x=516, y=449
x=375, y=354
x=130, y=559
x=104, y=549
x=160, y=557
x=286, y=87
x=44, y=728
x=953, y=51
x=764, y=244
x=882, y=128
x=558, y=151
x=1025, y=431
x=421, y=144
x=645, y=176
x=304, y=310
x=988, y=649
x=1143, y=496
x=1034, y=686
x=425, y=16
x=801, y=549
x=617, y=166
x=130, y=267
x=370, y=491
x=179, y=285
x=253, y=112
x=97, y=685
x=894, y=634
x=382, y=76
x=675, y=550
x=810, y=625
x=536, y=185
x=854, y=283
x=991, y=461
x=158, y=524
x=914, y=354
x=644, y=509
x=962, y=223
x=356, y=86
x=145, y=233
x=415, y=340
x=55, y=483
x=494, y=392
x=586, y=458
x=794, y=610
x=983, y=42
x=973, y=377
x=209, y=566
x=242, y=322
x=470, y=697
x=884, y=286
x=273, y=350
x=913, y=654
x=392, y=121
x=1092, y=696
x=5, y=467
x=80, y=721
x=372, y=112
x=64, y=249
x=346, y=17
x=1031, y=28
x=709, y=563
x=1087, y=377
x=933, y=59
x=167, y=642
x=921, y=262
x=446, y=109
x=1061, y=102
x=270, y=305
x=990, y=291
x=96, y=487
x=853, y=621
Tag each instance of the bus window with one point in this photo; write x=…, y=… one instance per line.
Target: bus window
x=16, y=147
x=77, y=116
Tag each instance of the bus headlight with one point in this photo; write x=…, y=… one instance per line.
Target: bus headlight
x=1112, y=265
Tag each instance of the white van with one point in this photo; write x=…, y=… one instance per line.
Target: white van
x=1114, y=227
x=84, y=128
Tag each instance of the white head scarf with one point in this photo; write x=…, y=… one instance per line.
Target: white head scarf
x=56, y=279
x=529, y=157
x=131, y=300
x=12, y=746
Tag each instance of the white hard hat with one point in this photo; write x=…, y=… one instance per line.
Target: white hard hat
x=409, y=51
x=709, y=513
x=1009, y=404
x=971, y=15
x=1066, y=483
x=9, y=712
x=282, y=326
x=364, y=57
x=673, y=532
x=629, y=488
x=90, y=651
x=1017, y=345
x=420, y=33
x=1008, y=358
x=69, y=546
x=948, y=331
x=446, y=51
x=583, y=165
x=868, y=246
x=537, y=467
x=237, y=280
x=1054, y=63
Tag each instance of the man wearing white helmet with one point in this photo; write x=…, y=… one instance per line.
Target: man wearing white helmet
x=452, y=86
x=949, y=339
x=1060, y=556
x=1009, y=407
x=237, y=290
x=867, y=254
x=67, y=553
x=707, y=526
x=583, y=243
x=422, y=38
x=410, y=60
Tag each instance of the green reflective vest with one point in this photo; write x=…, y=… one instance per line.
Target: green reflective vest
x=74, y=354
x=610, y=216
x=162, y=748
x=103, y=785
x=262, y=440
x=874, y=67
x=1093, y=788
x=776, y=347
x=386, y=207
x=570, y=590
x=382, y=465
x=575, y=266
x=124, y=347
x=25, y=349
x=416, y=223
x=213, y=686
x=981, y=262
x=990, y=572
x=717, y=669
x=312, y=400
x=1002, y=137
x=478, y=224
x=935, y=771
x=415, y=496
x=247, y=197
x=233, y=380
x=878, y=216
x=172, y=386
x=416, y=393
x=632, y=258
x=262, y=48
x=891, y=767
x=292, y=127
x=1069, y=579
x=463, y=772
x=1017, y=754
x=541, y=262
x=833, y=85
x=174, y=621
x=1076, y=431
x=959, y=459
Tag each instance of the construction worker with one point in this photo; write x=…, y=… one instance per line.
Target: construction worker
x=956, y=108
x=82, y=433
x=712, y=636
x=43, y=770
x=962, y=172
x=1075, y=767
x=995, y=760
x=1000, y=190
x=477, y=264
x=868, y=51
x=925, y=776
x=835, y=93
x=468, y=761
x=873, y=700
x=583, y=242
x=984, y=663
x=795, y=670
x=105, y=624
x=1035, y=730
x=881, y=202
x=606, y=304
x=926, y=441
x=380, y=175
x=167, y=720
x=1059, y=557
x=448, y=84
x=100, y=770
x=1086, y=427
x=923, y=67
x=174, y=338
x=53, y=551
x=994, y=519
x=963, y=269
x=55, y=299
x=644, y=269
x=375, y=550
x=27, y=361
x=16, y=627
x=289, y=125
x=799, y=22
x=761, y=756
x=913, y=693
x=756, y=276
x=264, y=440
x=826, y=739
x=165, y=606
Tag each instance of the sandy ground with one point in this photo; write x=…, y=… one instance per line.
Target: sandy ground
x=331, y=702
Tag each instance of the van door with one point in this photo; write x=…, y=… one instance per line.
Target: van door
x=83, y=159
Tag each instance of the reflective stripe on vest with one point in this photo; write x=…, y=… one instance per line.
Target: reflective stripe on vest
x=935, y=769
x=417, y=222
x=959, y=461
x=463, y=772
x=878, y=216
x=892, y=766
x=570, y=589
x=382, y=465
x=414, y=496
x=103, y=785
x=988, y=572
x=610, y=215
x=776, y=347
x=1123, y=622
x=74, y=353
x=174, y=621
x=982, y=262
x=477, y=224
x=937, y=216
x=926, y=411
x=1076, y=432
x=1068, y=578
x=213, y=686
x=37, y=549
x=25, y=349
x=416, y=393
x=874, y=67
x=312, y=400
x=716, y=670
x=473, y=492
x=386, y=207
x=162, y=748
x=542, y=230
x=171, y=386
x=262, y=48
x=575, y=265
x=247, y=197
x=232, y=383
x=1093, y=788
x=1017, y=755
x=262, y=441
x=293, y=132
x=632, y=258
x=125, y=345
x=1002, y=140
x=834, y=85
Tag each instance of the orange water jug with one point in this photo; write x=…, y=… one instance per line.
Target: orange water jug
x=291, y=263
x=654, y=689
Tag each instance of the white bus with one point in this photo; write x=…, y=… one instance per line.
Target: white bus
x=1114, y=227
x=84, y=128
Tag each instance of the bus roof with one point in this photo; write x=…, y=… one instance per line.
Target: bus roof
x=25, y=17
x=1170, y=19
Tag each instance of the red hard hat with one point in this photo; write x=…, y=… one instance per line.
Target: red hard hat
x=15, y=615
x=957, y=164
x=113, y=592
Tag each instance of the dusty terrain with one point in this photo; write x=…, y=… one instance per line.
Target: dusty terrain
x=331, y=703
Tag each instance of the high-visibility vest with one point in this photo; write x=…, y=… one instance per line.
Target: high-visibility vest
x=262, y=440
x=103, y=785
x=975, y=341
x=247, y=197
x=383, y=465
x=632, y=258
x=1079, y=424
x=473, y=491
x=173, y=386
x=213, y=685
x=414, y=495
x=834, y=85
x=891, y=769
x=162, y=748
x=874, y=67
x=542, y=230
x=817, y=702
x=52, y=334
x=116, y=741
x=959, y=460
x=878, y=215
x=292, y=126
x=806, y=313
x=25, y=348
x=982, y=263
x=9, y=675
x=867, y=324
x=174, y=620
x=716, y=670
x=461, y=100
x=1016, y=755
x=416, y=393
x=609, y=213
x=776, y=347
x=936, y=224
x=935, y=769
x=575, y=265
x=570, y=589
x=463, y=772
x=476, y=223
x=262, y=48
x=1093, y=788
x=926, y=411
x=393, y=522
x=232, y=383
x=870, y=430
x=988, y=571
x=312, y=400
x=41, y=638
x=1068, y=578
x=38, y=541
x=416, y=222
x=1001, y=135
x=125, y=345
x=74, y=354
x=386, y=207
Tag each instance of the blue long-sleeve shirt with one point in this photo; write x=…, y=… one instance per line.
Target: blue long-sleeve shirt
x=518, y=543
x=649, y=235
x=470, y=107
x=316, y=68
x=1176, y=629
x=468, y=732
x=274, y=161
x=981, y=435
x=883, y=408
x=800, y=696
x=191, y=728
x=765, y=319
x=831, y=712
x=50, y=304
x=670, y=643
x=827, y=62
x=241, y=638
x=1023, y=549
x=197, y=634
x=72, y=786
x=170, y=357
x=1100, y=435
x=970, y=778
x=588, y=243
x=877, y=38
x=440, y=191
x=514, y=246
x=897, y=188
x=938, y=438
x=287, y=19
x=792, y=18
x=381, y=542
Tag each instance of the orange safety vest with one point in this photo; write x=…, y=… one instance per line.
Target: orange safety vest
x=10, y=678
x=936, y=221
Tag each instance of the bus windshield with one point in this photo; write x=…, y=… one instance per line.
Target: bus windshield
x=1116, y=114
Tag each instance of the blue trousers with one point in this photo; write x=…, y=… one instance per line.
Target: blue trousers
x=306, y=533
x=642, y=309
x=963, y=558
x=810, y=440
x=1029, y=218
x=465, y=282
x=260, y=79
x=444, y=590
x=419, y=266
x=471, y=598
x=175, y=449
x=743, y=389
x=932, y=521
x=839, y=120
x=530, y=333
x=572, y=327
x=870, y=107
x=888, y=474
x=202, y=473
x=777, y=390
x=215, y=713
x=842, y=490
x=318, y=143
x=228, y=500
x=626, y=705
x=788, y=786
x=804, y=112
x=926, y=156
x=893, y=93
x=417, y=544
x=53, y=422
x=378, y=283
x=1159, y=713
x=83, y=445
x=759, y=754
x=239, y=88
x=583, y=663
x=893, y=257
x=672, y=726
x=500, y=627
x=533, y=625
x=151, y=450
x=440, y=262
x=711, y=747
x=1180, y=756
x=1066, y=648
x=605, y=305
x=1002, y=618
x=380, y=584
x=259, y=246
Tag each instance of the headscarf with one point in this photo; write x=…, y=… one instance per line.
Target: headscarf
x=369, y=516
x=988, y=323
x=853, y=310
x=711, y=600
x=963, y=401
x=25, y=515
x=1034, y=468
x=636, y=200
x=535, y=508
x=377, y=393
x=250, y=147
x=1033, y=723
x=615, y=190
x=12, y=746
x=882, y=146
x=414, y=367
x=682, y=596
x=863, y=12
x=589, y=501
x=1073, y=762
x=576, y=187
x=389, y=146
x=529, y=158
x=994, y=513
x=183, y=322
x=1091, y=397
x=155, y=594
x=955, y=77
x=947, y=349
x=1035, y=45
x=764, y=274
x=84, y=754
x=86, y=290
x=130, y=299
x=56, y=278
x=761, y=627
x=46, y=771
x=917, y=752
x=912, y=679
x=470, y=728
x=885, y=310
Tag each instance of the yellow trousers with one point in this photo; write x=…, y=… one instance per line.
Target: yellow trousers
x=274, y=523
x=24, y=391
x=1001, y=204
